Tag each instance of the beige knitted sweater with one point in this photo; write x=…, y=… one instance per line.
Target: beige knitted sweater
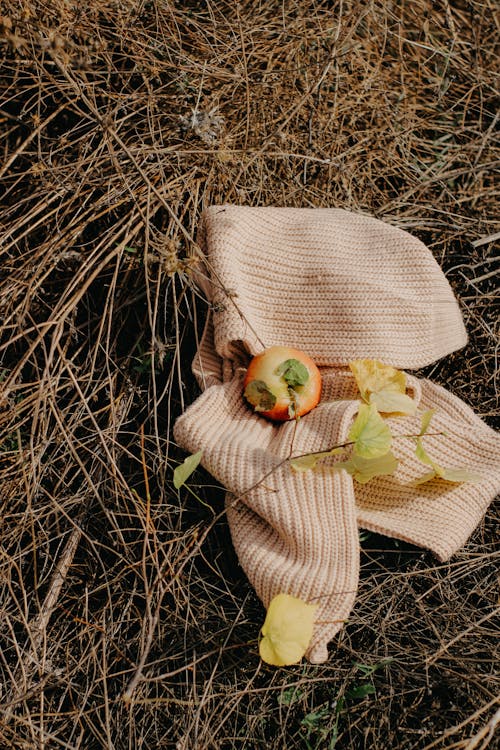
x=339, y=286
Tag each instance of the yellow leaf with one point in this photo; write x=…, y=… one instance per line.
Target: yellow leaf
x=424, y=478
x=365, y=469
x=392, y=402
x=373, y=376
x=186, y=468
x=426, y=420
x=304, y=463
x=451, y=474
x=369, y=433
x=423, y=456
x=309, y=460
x=458, y=475
x=383, y=385
x=287, y=630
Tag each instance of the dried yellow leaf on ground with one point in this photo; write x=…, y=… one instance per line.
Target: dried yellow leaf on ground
x=287, y=630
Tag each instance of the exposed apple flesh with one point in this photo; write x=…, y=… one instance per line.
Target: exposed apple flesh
x=282, y=383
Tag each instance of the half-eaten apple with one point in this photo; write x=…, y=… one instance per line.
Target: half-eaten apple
x=282, y=383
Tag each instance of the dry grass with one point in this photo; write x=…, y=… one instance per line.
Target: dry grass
x=125, y=619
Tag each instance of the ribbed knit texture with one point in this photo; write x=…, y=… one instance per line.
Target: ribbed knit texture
x=340, y=286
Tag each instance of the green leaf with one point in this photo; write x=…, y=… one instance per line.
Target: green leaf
x=368, y=669
x=364, y=469
x=293, y=372
x=369, y=433
x=361, y=691
x=186, y=468
x=289, y=696
x=259, y=396
x=314, y=719
x=339, y=705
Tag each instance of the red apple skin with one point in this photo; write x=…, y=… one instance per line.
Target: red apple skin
x=263, y=366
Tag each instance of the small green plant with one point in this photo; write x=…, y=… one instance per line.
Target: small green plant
x=10, y=443
x=361, y=690
x=319, y=732
x=147, y=361
x=290, y=695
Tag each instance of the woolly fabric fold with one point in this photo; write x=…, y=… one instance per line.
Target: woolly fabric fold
x=340, y=286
